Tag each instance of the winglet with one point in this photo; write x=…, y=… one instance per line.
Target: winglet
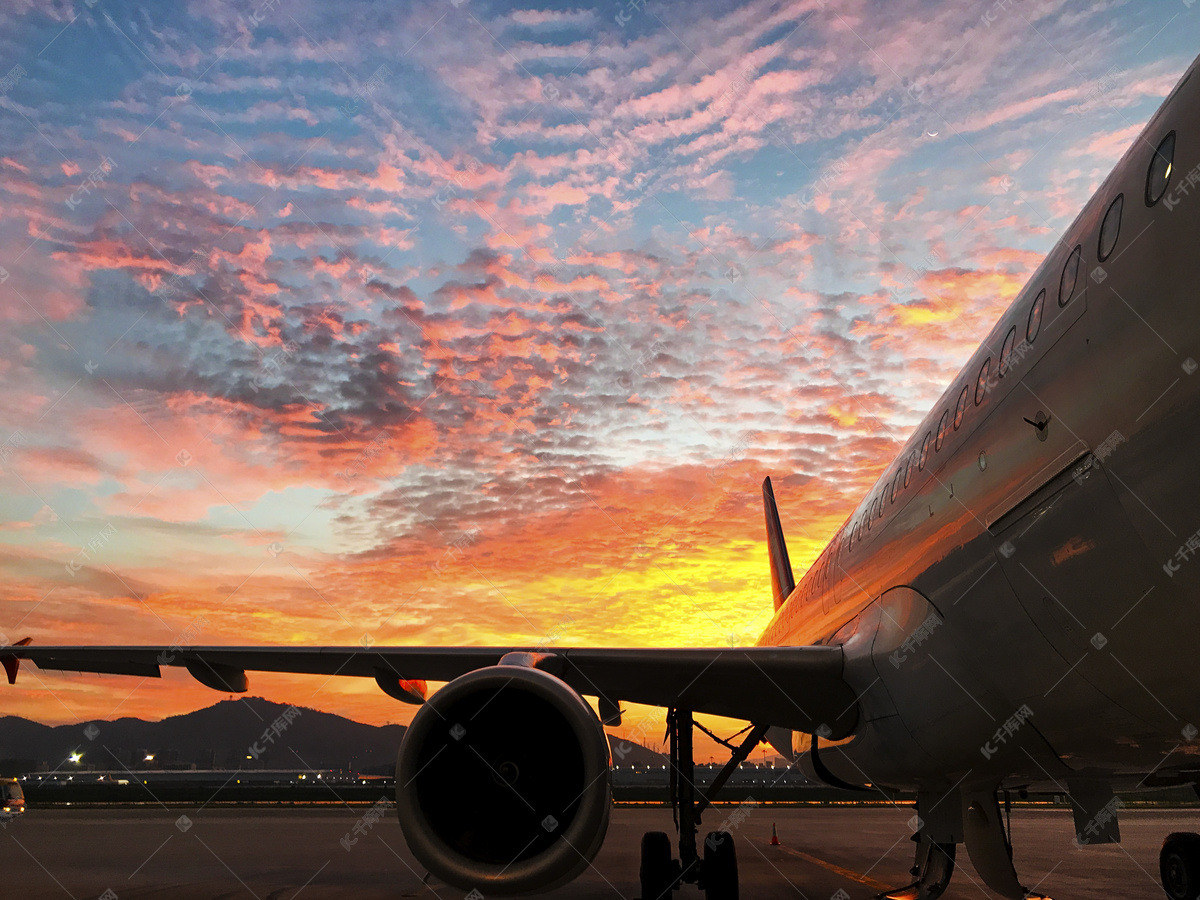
x=783, y=582
x=12, y=663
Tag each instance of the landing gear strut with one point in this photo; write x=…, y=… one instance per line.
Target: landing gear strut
x=716, y=873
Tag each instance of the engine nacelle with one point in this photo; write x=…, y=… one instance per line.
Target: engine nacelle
x=503, y=782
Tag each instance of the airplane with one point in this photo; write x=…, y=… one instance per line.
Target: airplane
x=1011, y=607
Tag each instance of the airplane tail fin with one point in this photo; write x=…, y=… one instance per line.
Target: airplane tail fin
x=782, y=580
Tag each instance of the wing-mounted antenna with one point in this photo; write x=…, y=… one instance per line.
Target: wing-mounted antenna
x=783, y=582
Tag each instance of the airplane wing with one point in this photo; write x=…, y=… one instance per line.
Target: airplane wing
x=800, y=688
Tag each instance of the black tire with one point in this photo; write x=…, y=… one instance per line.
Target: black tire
x=719, y=870
x=658, y=872
x=1179, y=865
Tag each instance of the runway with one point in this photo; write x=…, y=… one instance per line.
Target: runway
x=284, y=853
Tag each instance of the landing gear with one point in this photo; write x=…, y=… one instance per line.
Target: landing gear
x=933, y=867
x=717, y=872
x=659, y=872
x=719, y=869
x=1179, y=865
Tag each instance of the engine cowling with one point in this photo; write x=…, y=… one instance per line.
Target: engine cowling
x=503, y=782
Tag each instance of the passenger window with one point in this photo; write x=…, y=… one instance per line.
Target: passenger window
x=1006, y=351
x=961, y=409
x=907, y=470
x=1035, y=316
x=981, y=382
x=924, y=451
x=1070, y=277
x=1159, y=175
x=1110, y=228
x=943, y=426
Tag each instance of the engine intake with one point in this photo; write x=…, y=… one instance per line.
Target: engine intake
x=503, y=782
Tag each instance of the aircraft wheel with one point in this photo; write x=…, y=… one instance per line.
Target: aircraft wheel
x=719, y=870
x=1179, y=865
x=659, y=871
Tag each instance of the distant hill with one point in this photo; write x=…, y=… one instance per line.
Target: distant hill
x=630, y=753
x=222, y=736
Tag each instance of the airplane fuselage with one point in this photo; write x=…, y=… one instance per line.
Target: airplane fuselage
x=1020, y=597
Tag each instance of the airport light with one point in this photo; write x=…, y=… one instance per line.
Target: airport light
x=76, y=757
x=149, y=757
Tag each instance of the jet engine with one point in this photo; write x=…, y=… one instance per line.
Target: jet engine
x=503, y=782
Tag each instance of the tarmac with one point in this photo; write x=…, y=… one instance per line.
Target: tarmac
x=184, y=853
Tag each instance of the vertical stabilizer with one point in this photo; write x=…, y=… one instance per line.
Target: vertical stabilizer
x=782, y=580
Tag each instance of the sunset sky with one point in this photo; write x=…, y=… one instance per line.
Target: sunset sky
x=469, y=323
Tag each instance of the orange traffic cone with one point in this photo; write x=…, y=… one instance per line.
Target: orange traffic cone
x=774, y=836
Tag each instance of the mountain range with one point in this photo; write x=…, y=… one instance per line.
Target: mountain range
x=250, y=732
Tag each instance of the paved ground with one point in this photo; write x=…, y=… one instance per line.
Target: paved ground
x=279, y=853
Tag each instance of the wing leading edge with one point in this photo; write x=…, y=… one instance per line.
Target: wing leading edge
x=800, y=688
